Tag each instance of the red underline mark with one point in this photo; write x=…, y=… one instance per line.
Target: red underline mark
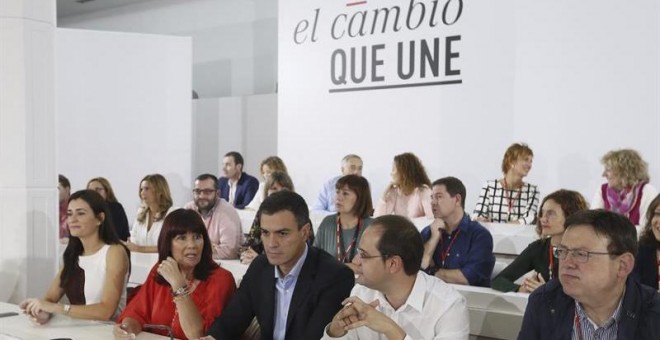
x=356, y=3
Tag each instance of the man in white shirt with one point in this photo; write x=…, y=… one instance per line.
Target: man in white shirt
x=393, y=297
x=350, y=165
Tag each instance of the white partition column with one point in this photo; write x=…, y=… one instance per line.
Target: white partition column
x=28, y=193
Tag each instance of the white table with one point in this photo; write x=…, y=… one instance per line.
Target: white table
x=59, y=326
x=494, y=314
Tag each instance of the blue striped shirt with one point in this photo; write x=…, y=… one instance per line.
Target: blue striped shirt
x=589, y=328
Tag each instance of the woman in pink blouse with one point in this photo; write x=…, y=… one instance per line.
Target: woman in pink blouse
x=409, y=194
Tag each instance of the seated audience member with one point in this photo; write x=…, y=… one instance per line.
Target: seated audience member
x=339, y=234
x=277, y=181
x=236, y=187
x=456, y=249
x=393, y=298
x=293, y=290
x=186, y=290
x=594, y=297
x=409, y=194
x=156, y=204
x=119, y=219
x=627, y=190
x=221, y=219
x=509, y=199
x=351, y=164
x=95, y=267
x=64, y=189
x=555, y=208
x=268, y=165
x=648, y=257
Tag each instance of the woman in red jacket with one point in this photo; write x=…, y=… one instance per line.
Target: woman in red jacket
x=186, y=290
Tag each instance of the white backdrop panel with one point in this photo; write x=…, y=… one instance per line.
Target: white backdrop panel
x=570, y=83
x=124, y=110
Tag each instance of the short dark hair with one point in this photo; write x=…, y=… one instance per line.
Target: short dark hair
x=238, y=159
x=285, y=200
x=204, y=177
x=360, y=186
x=182, y=221
x=454, y=186
x=617, y=228
x=64, y=181
x=400, y=237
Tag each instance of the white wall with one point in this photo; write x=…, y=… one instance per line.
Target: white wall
x=124, y=110
x=234, y=41
x=573, y=80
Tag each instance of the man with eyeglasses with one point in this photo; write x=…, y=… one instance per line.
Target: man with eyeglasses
x=594, y=297
x=221, y=219
x=394, y=299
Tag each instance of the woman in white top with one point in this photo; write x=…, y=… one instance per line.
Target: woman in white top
x=409, y=194
x=156, y=204
x=268, y=166
x=95, y=270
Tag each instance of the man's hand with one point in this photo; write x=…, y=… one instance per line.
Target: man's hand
x=356, y=313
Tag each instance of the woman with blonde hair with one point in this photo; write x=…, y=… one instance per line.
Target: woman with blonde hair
x=627, y=190
x=510, y=199
x=409, y=193
x=268, y=166
x=117, y=213
x=156, y=204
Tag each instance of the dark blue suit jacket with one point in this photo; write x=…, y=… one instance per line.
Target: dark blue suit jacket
x=646, y=266
x=245, y=190
x=323, y=283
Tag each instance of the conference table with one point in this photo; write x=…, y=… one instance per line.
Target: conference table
x=59, y=327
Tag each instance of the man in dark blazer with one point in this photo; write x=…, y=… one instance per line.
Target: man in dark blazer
x=236, y=187
x=293, y=290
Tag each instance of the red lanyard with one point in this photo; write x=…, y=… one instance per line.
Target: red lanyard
x=578, y=326
x=345, y=257
x=552, y=260
x=445, y=254
x=509, y=198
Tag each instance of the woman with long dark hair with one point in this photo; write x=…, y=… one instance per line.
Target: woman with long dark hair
x=95, y=270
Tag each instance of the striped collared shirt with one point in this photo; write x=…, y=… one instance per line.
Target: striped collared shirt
x=589, y=328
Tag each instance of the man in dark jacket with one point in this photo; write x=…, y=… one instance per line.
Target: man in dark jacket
x=594, y=298
x=293, y=290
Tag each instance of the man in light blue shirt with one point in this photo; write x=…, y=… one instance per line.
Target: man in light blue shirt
x=351, y=164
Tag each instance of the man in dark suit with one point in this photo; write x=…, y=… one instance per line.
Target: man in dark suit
x=293, y=290
x=236, y=187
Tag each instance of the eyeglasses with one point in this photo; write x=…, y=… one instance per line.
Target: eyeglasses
x=364, y=255
x=203, y=191
x=581, y=256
